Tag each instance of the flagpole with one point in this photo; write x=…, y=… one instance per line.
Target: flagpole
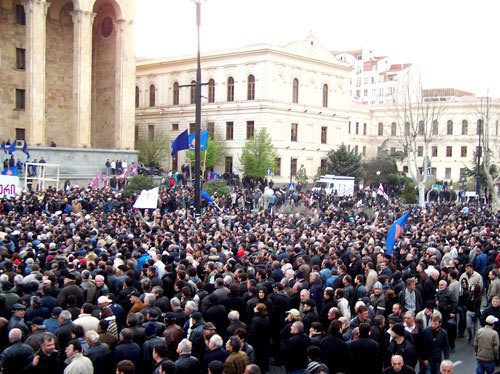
x=197, y=155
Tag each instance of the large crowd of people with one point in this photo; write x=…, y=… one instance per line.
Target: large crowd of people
x=263, y=277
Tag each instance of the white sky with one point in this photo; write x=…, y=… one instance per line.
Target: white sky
x=455, y=42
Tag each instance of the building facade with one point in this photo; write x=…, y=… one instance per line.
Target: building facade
x=301, y=94
x=68, y=72
x=298, y=93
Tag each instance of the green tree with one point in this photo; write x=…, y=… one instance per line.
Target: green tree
x=156, y=150
x=301, y=177
x=216, y=185
x=138, y=183
x=258, y=155
x=344, y=162
x=386, y=164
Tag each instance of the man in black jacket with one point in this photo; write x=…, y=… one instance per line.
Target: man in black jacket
x=334, y=350
x=63, y=333
x=447, y=304
x=98, y=353
x=14, y=357
x=365, y=352
x=436, y=343
x=186, y=364
x=46, y=359
x=295, y=348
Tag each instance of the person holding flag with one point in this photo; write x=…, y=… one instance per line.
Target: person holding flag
x=381, y=192
x=395, y=232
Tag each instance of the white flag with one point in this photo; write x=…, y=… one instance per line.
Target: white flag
x=382, y=192
x=148, y=199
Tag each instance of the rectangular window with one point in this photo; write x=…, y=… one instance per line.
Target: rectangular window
x=405, y=169
x=175, y=163
x=447, y=173
x=293, y=167
x=228, y=164
x=366, y=80
x=136, y=134
x=462, y=173
x=364, y=128
x=449, y=151
x=211, y=130
x=250, y=129
x=294, y=131
x=393, y=129
x=420, y=151
x=323, y=164
x=20, y=134
x=175, y=127
x=364, y=150
x=151, y=133
x=20, y=99
x=355, y=149
x=20, y=58
x=278, y=167
x=323, y=134
x=432, y=171
x=380, y=129
x=465, y=127
x=357, y=128
x=434, y=151
x=365, y=92
x=229, y=130
x=463, y=151
x=349, y=128
x=20, y=15
x=192, y=128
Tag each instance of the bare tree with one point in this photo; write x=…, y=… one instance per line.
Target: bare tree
x=417, y=121
x=488, y=137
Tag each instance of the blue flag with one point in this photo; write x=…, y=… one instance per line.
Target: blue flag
x=3, y=147
x=12, y=147
x=203, y=140
x=395, y=231
x=212, y=175
x=12, y=171
x=205, y=196
x=180, y=143
x=25, y=149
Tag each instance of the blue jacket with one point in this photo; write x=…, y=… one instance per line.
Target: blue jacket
x=481, y=263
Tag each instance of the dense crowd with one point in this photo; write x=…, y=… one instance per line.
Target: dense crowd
x=264, y=276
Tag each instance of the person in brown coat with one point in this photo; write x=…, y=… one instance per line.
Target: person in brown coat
x=237, y=361
x=136, y=302
x=173, y=335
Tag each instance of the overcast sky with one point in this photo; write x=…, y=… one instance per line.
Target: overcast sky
x=455, y=42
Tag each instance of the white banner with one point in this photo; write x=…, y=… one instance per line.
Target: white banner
x=147, y=199
x=9, y=186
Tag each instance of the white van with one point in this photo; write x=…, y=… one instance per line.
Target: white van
x=343, y=186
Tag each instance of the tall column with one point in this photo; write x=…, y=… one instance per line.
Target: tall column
x=36, y=22
x=125, y=85
x=82, y=76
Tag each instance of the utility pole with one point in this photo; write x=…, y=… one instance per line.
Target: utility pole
x=197, y=154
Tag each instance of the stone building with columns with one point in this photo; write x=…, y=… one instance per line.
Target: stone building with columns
x=67, y=72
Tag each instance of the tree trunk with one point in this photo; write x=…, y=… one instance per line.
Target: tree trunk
x=495, y=202
x=421, y=193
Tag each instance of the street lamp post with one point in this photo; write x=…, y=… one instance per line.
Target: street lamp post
x=197, y=154
x=480, y=127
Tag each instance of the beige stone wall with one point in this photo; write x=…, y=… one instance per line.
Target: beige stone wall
x=103, y=81
x=59, y=84
x=13, y=36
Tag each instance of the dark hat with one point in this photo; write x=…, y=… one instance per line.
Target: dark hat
x=216, y=367
x=431, y=304
x=134, y=293
x=196, y=316
x=18, y=306
x=38, y=321
x=299, y=274
x=398, y=329
x=56, y=311
x=208, y=326
x=170, y=317
x=310, y=302
x=150, y=329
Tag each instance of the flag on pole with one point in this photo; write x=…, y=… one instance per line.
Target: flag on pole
x=12, y=171
x=124, y=172
x=94, y=183
x=148, y=199
x=25, y=149
x=180, y=143
x=12, y=147
x=203, y=140
x=395, y=232
x=99, y=177
x=106, y=182
x=382, y=192
x=3, y=147
x=212, y=175
x=206, y=197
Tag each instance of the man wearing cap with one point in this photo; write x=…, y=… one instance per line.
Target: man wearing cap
x=173, y=335
x=38, y=330
x=136, y=302
x=425, y=316
x=17, y=319
x=378, y=299
x=473, y=277
x=196, y=337
x=310, y=314
x=486, y=346
x=147, y=348
x=52, y=323
x=402, y=346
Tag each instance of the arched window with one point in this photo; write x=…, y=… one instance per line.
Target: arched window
x=230, y=89
x=211, y=90
x=435, y=127
x=137, y=93
x=251, y=87
x=393, y=129
x=176, y=94
x=449, y=127
x=380, y=129
x=465, y=127
x=193, y=92
x=325, y=95
x=295, y=95
x=152, y=95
